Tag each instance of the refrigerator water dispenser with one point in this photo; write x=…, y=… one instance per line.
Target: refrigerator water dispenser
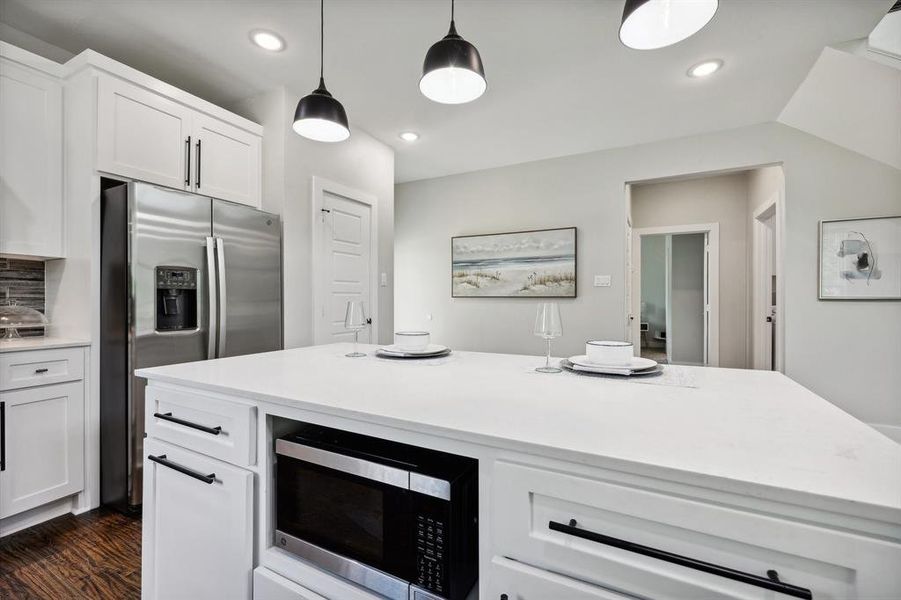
x=176, y=298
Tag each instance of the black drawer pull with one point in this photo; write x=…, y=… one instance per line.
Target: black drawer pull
x=41, y=371
x=770, y=582
x=162, y=460
x=168, y=417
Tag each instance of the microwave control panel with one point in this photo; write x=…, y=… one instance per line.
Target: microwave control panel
x=430, y=554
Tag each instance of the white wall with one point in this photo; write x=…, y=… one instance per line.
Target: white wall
x=720, y=199
x=822, y=181
x=290, y=162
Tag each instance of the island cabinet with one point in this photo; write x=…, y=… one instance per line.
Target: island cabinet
x=150, y=136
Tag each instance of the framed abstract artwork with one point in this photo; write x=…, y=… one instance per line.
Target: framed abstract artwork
x=860, y=259
x=521, y=264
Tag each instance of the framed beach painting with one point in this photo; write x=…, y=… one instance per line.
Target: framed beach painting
x=860, y=259
x=522, y=264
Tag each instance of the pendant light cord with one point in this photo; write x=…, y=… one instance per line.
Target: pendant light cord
x=321, y=37
x=452, y=10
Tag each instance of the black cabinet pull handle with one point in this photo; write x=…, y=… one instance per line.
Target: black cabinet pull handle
x=770, y=582
x=162, y=460
x=198, y=164
x=40, y=371
x=188, y=161
x=168, y=417
x=2, y=436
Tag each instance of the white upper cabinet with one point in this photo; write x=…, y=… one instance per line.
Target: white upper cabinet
x=31, y=169
x=142, y=135
x=227, y=161
x=145, y=135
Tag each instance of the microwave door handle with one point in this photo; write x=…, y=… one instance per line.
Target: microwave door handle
x=212, y=297
x=223, y=295
x=346, y=464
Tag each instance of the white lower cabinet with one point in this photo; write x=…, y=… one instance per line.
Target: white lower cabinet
x=512, y=580
x=41, y=444
x=268, y=585
x=198, y=526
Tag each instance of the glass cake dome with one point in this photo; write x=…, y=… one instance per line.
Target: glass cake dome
x=14, y=316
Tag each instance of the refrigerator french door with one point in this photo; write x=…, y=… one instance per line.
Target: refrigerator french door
x=183, y=278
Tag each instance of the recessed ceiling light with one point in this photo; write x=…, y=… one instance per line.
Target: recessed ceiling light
x=703, y=69
x=267, y=40
x=409, y=136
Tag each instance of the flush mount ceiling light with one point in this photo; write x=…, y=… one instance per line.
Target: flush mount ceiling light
x=318, y=115
x=650, y=24
x=409, y=136
x=267, y=40
x=452, y=72
x=703, y=69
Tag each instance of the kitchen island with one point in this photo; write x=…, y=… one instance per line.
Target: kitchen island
x=746, y=470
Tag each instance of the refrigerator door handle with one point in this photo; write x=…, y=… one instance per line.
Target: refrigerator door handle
x=212, y=296
x=223, y=295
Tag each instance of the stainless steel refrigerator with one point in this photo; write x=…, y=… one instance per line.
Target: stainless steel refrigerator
x=183, y=278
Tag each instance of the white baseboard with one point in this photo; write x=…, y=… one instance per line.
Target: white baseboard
x=32, y=517
x=890, y=431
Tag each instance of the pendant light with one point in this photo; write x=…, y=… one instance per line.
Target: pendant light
x=650, y=24
x=452, y=71
x=318, y=115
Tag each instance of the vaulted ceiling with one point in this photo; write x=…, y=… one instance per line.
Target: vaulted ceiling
x=559, y=81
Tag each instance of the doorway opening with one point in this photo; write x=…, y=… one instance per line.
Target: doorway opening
x=704, y=263
x=675, y=288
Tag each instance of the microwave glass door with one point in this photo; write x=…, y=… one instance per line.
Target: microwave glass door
x=362, y=519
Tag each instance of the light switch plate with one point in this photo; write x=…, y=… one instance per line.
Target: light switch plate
x=602, y=281
x=383, y=280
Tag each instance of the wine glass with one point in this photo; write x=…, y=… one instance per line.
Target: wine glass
x=355, y=320
x=548, y=326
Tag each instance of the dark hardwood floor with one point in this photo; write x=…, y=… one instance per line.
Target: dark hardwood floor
x=94, y=555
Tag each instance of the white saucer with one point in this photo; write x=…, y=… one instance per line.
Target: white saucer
x=427, y=351
x=637, y=363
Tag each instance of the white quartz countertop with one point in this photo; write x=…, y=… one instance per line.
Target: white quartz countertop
x=39, y=343
x=748, y=432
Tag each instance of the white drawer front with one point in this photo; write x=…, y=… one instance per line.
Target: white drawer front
x=513, y=580
x=219, y=428
x=831, y=564
x=40, y=367
x=268, y=585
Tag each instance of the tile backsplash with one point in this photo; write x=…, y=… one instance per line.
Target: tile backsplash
x=23, y=281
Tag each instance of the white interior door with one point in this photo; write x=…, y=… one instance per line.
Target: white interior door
x=346, y=265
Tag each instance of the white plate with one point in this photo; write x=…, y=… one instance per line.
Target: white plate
x=427, y=351
x=637, y=364
x=611, y=370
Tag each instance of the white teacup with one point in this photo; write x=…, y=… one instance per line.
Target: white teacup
x=609, y=353
x=411, y=341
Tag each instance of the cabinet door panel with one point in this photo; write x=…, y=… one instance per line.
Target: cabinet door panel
x=229, y=161
x=197, y=536
x=141, y=134
x=31, y=168
x=519, y=581
x=44, y=439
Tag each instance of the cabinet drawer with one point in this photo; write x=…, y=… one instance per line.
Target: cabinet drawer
x=614, y=525
x=219, y=428
x=268, y=585
x=518, y=581
x=40, y=367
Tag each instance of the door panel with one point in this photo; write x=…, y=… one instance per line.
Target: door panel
x=229, y=161
x=197, y=536
x=249, y=256
x=141, y=134
x=347, y=265
x=44, y=437
x=170, y=229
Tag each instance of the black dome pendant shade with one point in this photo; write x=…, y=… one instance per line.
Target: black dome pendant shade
x=452, y=72
x=319, y=116
x=652, y=24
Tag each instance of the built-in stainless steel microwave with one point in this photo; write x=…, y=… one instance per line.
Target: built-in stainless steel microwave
x=396, y=519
